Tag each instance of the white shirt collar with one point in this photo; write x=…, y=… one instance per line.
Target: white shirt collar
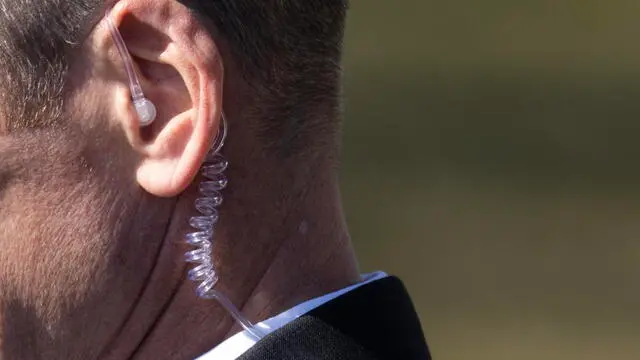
x=235, y=346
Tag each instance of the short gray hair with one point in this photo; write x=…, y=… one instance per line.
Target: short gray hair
x=289, y=50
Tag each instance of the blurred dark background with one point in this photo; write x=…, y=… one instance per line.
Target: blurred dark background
x=490, y=161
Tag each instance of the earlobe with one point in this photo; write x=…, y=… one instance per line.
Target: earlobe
x=174, y=157
x=181, y=72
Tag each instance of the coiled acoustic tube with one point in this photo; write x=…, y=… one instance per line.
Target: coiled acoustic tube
x=213, y=169
x=204, y=272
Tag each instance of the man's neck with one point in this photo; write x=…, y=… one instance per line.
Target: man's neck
x=272, y=252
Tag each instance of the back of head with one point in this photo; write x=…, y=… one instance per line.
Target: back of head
x=91, y=202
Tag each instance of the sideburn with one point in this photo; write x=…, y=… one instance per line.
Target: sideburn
x=66, y=234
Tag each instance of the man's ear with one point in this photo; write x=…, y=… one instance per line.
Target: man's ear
x=181, y=72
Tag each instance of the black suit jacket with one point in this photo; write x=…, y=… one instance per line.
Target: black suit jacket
x=376, y=321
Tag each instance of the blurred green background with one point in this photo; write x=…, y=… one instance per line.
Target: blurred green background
x=490, y=161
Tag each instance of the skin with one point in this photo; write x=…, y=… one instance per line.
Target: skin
x=93, y=211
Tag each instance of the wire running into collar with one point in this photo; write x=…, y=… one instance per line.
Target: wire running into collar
x=204, y=272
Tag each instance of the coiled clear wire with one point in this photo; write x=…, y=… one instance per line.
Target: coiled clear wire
x=204, y=272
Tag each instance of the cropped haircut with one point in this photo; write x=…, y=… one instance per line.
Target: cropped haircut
x=287, y=50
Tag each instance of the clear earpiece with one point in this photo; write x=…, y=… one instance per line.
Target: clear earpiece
x=202, y=238
x=146, y=111
x=144, y=107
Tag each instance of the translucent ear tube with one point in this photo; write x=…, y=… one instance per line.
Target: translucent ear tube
x=204, y=272
x=145, y=108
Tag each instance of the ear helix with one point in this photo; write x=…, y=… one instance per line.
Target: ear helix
x=144, y=107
